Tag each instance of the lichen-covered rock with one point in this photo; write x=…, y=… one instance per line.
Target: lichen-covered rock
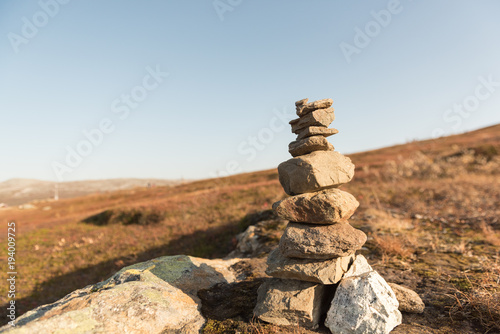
x=314, y=172
x=409, y=300
x=320, y=241
x=290, y=302
x=156, y=296
x=363, y=304
x=312, y=270
x=323, y=207
x=134, y=307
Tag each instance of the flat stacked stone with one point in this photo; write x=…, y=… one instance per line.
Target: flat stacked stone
x=308, y=145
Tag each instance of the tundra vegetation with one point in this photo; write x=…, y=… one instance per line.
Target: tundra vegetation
x=429, y=208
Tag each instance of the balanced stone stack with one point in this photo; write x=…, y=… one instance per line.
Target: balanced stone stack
x=318, y=246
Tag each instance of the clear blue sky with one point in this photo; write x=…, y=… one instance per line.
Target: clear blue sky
x=232, y=67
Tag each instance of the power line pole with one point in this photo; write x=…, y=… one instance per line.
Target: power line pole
x=56, y=192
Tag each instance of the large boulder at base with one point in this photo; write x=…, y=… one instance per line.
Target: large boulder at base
x=409, y=300
x=323, y=207
x=363, y=304
x=320, y=241
x=314, y=172
x=156, y=296
x=311, y=270
x=290, y=302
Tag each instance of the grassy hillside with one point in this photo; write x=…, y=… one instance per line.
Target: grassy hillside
x=430, y=210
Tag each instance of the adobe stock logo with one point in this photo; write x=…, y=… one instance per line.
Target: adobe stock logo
x=30, y=28
x=223, y=6
x=363, y=38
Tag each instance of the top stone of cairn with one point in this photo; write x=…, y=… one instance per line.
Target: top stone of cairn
x=304, y=108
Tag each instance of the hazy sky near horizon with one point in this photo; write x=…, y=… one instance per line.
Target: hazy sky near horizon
x=195, y=89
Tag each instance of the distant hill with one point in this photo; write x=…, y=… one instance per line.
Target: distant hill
x=20, y=191
x=478, y=140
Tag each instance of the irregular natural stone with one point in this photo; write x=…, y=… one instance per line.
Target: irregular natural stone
x=323, y=207
x=290, y=302
x=320, y=117
x=315, y=171
x=308, y=145
x=138, y=307
x=320, y=241
x=259, y=239
x=363, y=304
x=185, y=272
x=320, y=104
x=316, y=131
x=409, y=300
x=311, y=270
x=301, y=102
x=157, y=296
x=359, y=267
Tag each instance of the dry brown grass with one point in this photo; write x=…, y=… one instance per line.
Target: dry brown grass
x=481, y=301
x=252, y=327
x=382, y=220
x=392, y=245
x=480, y=160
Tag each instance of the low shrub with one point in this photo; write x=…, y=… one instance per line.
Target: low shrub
x=133, y=216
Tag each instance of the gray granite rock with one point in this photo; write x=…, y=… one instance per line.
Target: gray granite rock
x=363, y=304
x=359, y=267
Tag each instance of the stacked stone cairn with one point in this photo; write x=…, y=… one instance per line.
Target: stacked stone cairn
x=317, y=249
